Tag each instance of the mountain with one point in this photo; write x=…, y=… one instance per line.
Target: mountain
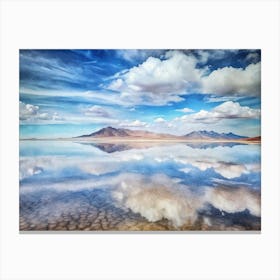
x=127, y=133
x=111, y=132
x=254, y=139
x=108, y=132
x=212, y=135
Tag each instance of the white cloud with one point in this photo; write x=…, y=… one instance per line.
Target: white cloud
x=116, y=84
x=27, y=111
x=226, y=110
x=159, y=120
x=237, y=81
x=225, y=117
x=185, y=110
x=164, y=78
x=56, y=116
x=146, y=98
x=210, y=99
x=108, y=98
x=159, y=81
x=203, y=56
x=31, y=113
x=135, y=123
x=132, y=55
x=232, y=109
x=97, y=111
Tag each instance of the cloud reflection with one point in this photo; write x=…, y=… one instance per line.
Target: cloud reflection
x=158, y=196
x=154, y=182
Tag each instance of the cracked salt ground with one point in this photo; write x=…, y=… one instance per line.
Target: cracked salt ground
x=89, y=210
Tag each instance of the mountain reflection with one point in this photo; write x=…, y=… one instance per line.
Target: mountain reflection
x=213, y=145
x=119, y=147
x=109, y=147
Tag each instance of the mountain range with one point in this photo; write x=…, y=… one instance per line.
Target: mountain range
x=203, y=134
x=111, y=132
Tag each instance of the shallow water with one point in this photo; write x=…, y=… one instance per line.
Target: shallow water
x=139, y=186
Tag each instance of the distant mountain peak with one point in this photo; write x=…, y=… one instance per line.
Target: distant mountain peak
x=121, y=132
x=108, y=132
x=204, y=134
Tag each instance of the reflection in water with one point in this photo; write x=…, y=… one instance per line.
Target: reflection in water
x=144, y=186
x=213, y=145
x=109, y=147
x=118, y=147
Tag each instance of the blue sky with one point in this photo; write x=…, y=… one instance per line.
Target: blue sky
x=66, y=93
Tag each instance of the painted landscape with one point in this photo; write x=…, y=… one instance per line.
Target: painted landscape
x=139, y=140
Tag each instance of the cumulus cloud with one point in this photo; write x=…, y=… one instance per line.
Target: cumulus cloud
x=228, y=115
x=135, y=123
x=226, y=110
x=97, y=111
x=29, y=113
x=159, y=120
x=157, y=81
x=237, y=81
x=185, y=110
x=232, y=109
x=116, y=84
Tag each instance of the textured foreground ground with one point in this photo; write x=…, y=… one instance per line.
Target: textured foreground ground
x=93, y=211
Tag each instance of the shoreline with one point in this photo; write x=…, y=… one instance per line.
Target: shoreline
x=132, y=140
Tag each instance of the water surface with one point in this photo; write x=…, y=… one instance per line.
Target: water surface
x=139, y=186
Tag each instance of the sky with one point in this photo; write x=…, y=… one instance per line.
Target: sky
x=66, y=93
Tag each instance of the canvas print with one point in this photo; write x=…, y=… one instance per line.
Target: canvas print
x=140, y=140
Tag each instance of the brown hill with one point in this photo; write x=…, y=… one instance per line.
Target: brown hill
x=126, y=133
x=257, y=138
